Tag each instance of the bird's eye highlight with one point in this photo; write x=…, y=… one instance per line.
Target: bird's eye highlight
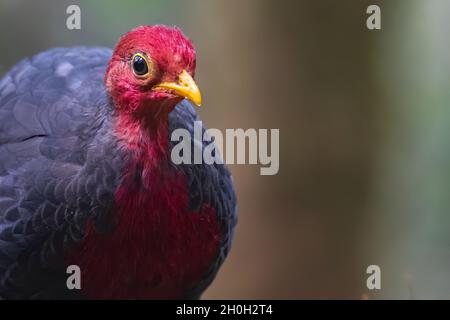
x=140, y=65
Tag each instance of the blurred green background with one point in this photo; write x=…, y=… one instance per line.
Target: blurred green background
x=364, y=120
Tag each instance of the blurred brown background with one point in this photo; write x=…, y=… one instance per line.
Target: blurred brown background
x=363, y=118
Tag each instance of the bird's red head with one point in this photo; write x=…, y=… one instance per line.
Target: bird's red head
x=152, y=69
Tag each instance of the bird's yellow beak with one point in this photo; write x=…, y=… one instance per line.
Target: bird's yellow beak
x=185, y=87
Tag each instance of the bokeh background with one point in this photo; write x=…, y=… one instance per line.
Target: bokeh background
x=364, y=119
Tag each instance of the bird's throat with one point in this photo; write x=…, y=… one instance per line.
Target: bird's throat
x=145, y=136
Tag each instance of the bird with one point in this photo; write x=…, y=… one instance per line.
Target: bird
x=86, y=177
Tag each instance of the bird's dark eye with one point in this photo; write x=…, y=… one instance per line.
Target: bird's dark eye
x=140, y=65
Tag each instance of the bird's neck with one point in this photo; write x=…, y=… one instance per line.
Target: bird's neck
x=145, y=134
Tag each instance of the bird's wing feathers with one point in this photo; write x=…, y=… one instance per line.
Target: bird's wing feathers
x=52, y=109
x=210, y=184
x=41, y=97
